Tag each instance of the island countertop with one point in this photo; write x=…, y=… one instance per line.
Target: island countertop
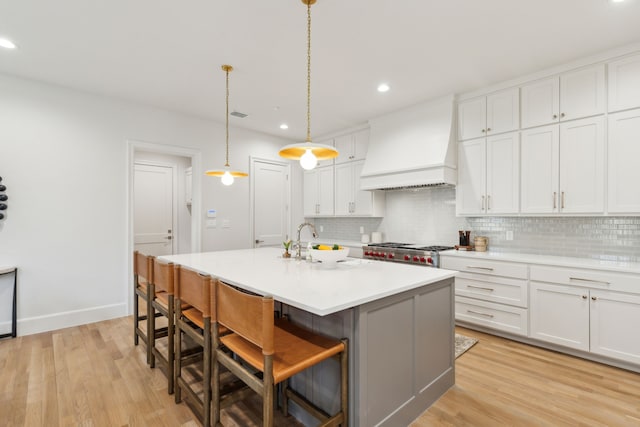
x=312, y=287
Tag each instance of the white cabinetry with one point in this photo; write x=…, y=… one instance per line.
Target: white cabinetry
x=586, y=310
x=623, y=171
x=352, y=147
x=624, y=83
x=489, y=115
x=563, y=168
x=318, y=192
x=572, y=95
x=489, y=175
x=490, y=293
x=350, y=200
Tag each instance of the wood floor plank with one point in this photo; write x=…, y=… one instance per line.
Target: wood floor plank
x=93, y=375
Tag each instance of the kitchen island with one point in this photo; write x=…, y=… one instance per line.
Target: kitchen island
x=398, y=318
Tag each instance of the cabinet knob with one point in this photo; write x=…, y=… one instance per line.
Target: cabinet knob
x=584, y=297
x=594, y=298
x=488, y=129
x=561, y=114
x=483, y=130
x=555, y=116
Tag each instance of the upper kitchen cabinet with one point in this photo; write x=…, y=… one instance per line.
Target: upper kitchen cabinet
x=489, y=175
x=350, y=200
x=563, y=168
x=489, y=115
x=352, y=147
x=623, y=170
x=318, y=192
x=624, y=83
x=572, y=95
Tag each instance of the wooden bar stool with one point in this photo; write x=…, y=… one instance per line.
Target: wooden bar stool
x=142, y=278
x=163, y=302
x=193, y=288
x=269, y=354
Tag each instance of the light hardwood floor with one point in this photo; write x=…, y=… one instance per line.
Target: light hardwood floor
x=92, y=375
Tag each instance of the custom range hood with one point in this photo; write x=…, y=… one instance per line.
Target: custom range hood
x=414, y=147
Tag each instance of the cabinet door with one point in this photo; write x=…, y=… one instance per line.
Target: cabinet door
x=560, y=315
x=472, y=118
x=623, y=171
x=540, y=163
x=324, y=163
x=582, y=93
x=614, y=317
x=188, y=185
x=624, y=83
x=360, y=144
x=540, y=102
x=503, y=111
x=503, y=173
x=582, y=150
x=310, y=195
x=344, y=189
x=325, y=190
x=344, y=145
x=471, y=188
x=363, y=199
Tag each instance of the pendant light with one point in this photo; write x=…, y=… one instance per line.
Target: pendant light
x=307, y=152
x=226, y=175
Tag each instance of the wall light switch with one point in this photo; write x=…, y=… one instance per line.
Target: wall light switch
x=211, y=223
x=509, y=235
x=226, y=223
x=212, y=213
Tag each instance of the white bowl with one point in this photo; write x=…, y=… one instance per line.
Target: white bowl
x=329, y=256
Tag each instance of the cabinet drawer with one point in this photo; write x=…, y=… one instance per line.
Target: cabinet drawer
x=494, y=289
x=497, y=316
x=482, y=266
x=587, y=278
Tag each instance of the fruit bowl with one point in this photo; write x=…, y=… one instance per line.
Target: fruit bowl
x=329, y=256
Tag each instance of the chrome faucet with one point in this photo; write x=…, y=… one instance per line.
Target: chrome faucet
x=300, y=227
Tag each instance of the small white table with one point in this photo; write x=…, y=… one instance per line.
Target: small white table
x=9, y=270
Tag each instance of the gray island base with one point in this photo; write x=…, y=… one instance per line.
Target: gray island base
x=401, y=356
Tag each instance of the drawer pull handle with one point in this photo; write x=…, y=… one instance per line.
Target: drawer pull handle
x=480, y=268
x=480, y=287
x=602, y=282
x=481, y=314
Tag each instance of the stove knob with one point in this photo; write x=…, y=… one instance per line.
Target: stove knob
x=423, y=259
x=416, y=259
x=366, y=253
x=382, y=255
x=430, y=260
x=391, y=256
x=407, y=257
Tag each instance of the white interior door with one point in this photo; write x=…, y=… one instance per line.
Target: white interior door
x=270, y=183
x=153, y=209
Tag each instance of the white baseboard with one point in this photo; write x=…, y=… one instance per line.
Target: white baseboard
x=51, y=322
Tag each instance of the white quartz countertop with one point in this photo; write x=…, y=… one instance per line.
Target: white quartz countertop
x=312, y=287
x=558, y=261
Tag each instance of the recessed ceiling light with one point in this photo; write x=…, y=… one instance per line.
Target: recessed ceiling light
x=284, y=126
x=383, y=87
x=8, y=44
x=616, y=1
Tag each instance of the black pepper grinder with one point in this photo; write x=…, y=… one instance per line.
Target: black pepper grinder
x=467, y=238
x=464, y=240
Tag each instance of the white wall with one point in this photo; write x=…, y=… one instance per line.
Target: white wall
x=64, y=159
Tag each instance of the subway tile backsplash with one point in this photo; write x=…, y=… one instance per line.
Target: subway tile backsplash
x=428, y=216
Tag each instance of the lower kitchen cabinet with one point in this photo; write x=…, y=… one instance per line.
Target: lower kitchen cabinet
x=560, y=315
x=496, y=316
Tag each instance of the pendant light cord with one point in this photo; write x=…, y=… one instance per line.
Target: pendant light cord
x=308, y=71
x=227, y=121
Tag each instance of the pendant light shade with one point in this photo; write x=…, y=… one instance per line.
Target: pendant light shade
x=227, y=176
x=307, y=152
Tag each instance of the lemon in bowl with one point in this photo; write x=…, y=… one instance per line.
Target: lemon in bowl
x=329, y=255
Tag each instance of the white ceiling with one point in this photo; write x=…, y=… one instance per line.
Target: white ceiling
x=168, y=53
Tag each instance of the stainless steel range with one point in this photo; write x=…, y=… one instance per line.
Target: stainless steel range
x=405, y=252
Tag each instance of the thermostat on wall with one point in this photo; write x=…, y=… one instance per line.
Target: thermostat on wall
x=212, y=213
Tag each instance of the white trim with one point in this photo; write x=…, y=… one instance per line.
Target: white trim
x=196, y=212
x=66, y=319
x=252, y=162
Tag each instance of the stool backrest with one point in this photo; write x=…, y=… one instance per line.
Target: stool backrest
x=249, y=316
x=193, y=288
x=163, y=276
x=142, y=267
